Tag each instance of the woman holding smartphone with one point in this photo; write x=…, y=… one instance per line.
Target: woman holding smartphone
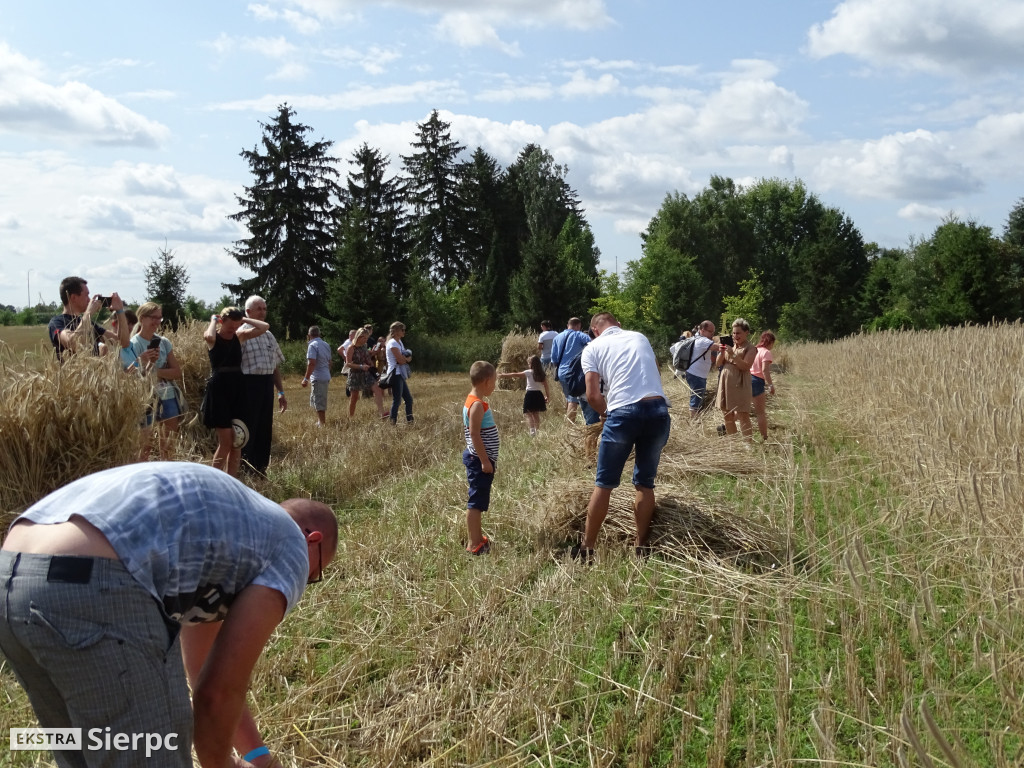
x=735, y=392
x=155, y=356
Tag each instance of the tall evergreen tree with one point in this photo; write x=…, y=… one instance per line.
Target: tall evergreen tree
x=480, y=189
x=436, y=227
x=166, y=282
x=379, y=202
x=291, y=214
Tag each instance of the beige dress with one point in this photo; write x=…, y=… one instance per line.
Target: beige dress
x=734, y=388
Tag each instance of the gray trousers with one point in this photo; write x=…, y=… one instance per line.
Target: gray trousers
x=93, y=650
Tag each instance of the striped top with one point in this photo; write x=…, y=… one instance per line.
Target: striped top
x=488, y=429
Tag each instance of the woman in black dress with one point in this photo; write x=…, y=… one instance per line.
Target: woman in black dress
x=225, y=391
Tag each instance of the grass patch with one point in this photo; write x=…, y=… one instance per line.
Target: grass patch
x=886, y=632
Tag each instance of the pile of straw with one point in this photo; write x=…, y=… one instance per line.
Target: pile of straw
x=61, y=422
x=682, y=524
x=516, y=349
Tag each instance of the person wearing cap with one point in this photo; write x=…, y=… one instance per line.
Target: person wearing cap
x=74, y=329
x=123, y=582
x=261, y=372
x=225, y=400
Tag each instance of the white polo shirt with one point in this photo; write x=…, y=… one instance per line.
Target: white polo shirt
x=626, y=364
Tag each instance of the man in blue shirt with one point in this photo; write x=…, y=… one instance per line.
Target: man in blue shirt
x=567, y=346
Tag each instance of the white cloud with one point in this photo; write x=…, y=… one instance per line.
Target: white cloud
x=934, y=36
x=302, y=23
x=473, y=23
x=291, y=70
x=32, y=106
x=430, y=91
x=581, y=85
x=751, y=110
x=918, y=164
x=470, y=31
x=71, y=217
x=920, y=212
x=150, y=180
x=518, y=92
x=373, y=60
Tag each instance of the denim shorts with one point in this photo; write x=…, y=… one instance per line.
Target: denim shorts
x=757, y=385
x=644, y=425
x=698, y=387
x=565, y=391
x=479, y=481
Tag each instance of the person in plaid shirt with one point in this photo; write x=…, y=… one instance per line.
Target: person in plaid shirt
x=261, y=368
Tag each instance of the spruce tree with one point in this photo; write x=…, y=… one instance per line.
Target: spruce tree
x=437, y=223
x=166, y=282
x=290, y=212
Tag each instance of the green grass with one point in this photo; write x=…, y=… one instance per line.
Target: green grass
x=411, y=653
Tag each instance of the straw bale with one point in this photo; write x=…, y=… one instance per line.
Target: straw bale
x=61, y=422
x=683, y=524
x=516, y=349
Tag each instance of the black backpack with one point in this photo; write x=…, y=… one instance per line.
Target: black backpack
x=576, y=380
x=682, y=358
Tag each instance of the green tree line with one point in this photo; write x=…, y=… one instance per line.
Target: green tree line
x=449, y=241
x=775, y=254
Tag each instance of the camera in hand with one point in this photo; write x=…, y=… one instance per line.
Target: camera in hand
x=105, y=300
x=154, y=343
x=725, y=341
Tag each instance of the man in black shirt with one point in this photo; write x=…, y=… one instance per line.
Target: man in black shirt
x=74, y=330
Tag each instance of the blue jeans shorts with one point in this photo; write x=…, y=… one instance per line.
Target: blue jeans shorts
x=479, y=482
x=644, y=425
x=757, y=385
x=698, y=387
x=565, y=391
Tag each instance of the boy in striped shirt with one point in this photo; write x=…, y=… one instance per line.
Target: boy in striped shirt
x=481, y=454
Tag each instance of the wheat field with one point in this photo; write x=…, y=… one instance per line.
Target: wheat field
x=848, y=594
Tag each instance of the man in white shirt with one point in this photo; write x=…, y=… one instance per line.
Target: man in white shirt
x=704, y=350
x=544, y=342
x=635, y=414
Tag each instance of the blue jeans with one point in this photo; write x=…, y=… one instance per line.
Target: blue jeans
x=644, y=425
x=590, y=416
x=698, y=388
x=400, y=391
x=756, y=385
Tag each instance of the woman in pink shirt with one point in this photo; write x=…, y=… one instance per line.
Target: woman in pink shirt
x=761, y=379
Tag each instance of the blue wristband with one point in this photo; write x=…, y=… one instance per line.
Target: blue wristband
x=258, y=752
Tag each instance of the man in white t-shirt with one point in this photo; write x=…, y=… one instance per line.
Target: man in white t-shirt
x=104, y=579
x=635, y=414
x=704, y=350
x=544, y=342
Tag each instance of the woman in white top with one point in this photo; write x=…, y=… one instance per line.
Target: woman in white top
x=398, y=361
x=535, y=400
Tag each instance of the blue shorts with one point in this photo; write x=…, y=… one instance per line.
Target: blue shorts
x=479, y=482
x=565, y=391
x=757, y=385
x=698, y=388
x=644, y=425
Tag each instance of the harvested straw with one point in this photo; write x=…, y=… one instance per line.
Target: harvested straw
x=61, y=422
x=516, y=349
x=682, y=524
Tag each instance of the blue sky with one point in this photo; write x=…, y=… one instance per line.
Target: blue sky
x=121, y=124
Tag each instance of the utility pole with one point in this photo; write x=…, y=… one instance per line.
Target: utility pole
x=28, y=287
